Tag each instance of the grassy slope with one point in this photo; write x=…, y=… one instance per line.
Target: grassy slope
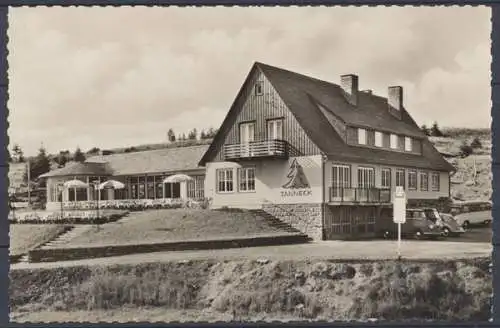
x=463, y=186
x=201, y=290
x=24, y=237
x=174, y=225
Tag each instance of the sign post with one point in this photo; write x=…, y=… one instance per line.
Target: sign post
x=399, y=212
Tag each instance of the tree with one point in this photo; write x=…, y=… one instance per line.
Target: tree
x=435, y=131
x=210, y=133
x=465, y=149
x=61, y=159
x=476, y=143
x=296, y=177
x=202, y=135
x=78, y=156
x=171, y=135
x=94, y=150
x=425, y=130
x=18, y=154
x=193, y=134
x=40, y=164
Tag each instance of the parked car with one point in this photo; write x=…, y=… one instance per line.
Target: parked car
x=420, y=223
x=467, y=220
x=450, y=226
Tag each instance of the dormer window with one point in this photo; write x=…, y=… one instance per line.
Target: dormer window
x=408, y=144
x=394, y=141
x=259, y=90
x=378, y=139
x=362, y=136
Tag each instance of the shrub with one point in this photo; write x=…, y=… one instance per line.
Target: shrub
x=476, y=143
x=466, y=150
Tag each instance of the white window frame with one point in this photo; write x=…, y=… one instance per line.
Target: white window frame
x=362, y=137
x=435, y=177
x=259, y=88
x=399, y=173
x=227, y=176
x=366, y=177
x=424, y=176
x=343, y=181
x=382, y=185
x=394, y=141
x=412, y=173
x=408, y=144
x=244, y=179
x=379, y=139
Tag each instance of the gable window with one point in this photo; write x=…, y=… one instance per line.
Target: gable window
x=259, y=88
x=246, y=179
x=386, y=178
x=366, y=177
x=275, y=129
x=400, y=178
x=424, y=181
x=378, y=139
x=408, y=144
x=394, y=141
x=362, y=136
x=412, y=180
x=435, y=181
x=224, y=180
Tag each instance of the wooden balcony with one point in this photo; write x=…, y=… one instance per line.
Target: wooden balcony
x=360, y=195
x=257, y=149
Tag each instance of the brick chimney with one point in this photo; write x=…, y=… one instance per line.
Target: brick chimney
x=395, y=100
x=349, y=84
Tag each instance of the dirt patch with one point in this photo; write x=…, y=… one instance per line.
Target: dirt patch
x=25, y=237
x=156, y=226
x=243, y=290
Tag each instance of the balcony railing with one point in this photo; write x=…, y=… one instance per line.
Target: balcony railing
x=267, y=148
x=359, y=195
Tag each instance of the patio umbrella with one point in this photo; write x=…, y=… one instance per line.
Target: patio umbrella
x=111, y=184
x=177, y=178
x=75, y=184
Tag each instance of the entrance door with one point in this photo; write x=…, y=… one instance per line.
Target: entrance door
x=274, y=132
x=341, y=177
x=247, y=135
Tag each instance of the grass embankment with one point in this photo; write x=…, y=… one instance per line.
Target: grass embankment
x=253, y=290
x=157, y=226
x=25, y=237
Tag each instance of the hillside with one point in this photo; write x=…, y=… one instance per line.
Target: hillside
x=472, y=181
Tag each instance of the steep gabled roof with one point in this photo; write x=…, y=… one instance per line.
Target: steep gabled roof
x=312, y=101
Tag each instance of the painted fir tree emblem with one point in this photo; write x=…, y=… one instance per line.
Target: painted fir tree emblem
x=296, y=177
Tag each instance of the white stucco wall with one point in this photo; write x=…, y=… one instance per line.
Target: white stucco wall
x=270, y=176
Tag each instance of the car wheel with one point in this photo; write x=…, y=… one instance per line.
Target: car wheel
x=418, y=235
x=386, y=234
x=446, y=232
x=487, y=222
x=466, y=224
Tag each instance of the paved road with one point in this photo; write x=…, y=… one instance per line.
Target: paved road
x=369, y=250
x=475, y=235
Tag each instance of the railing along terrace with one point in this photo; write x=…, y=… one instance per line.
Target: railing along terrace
x=120, y=203
x=266, y=148
x=360, y=195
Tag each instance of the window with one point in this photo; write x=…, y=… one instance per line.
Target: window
x=247, y=179
x=259, y=90
x=225, y=180
x=362, y=136
x=159, y=186
x=424, y=181
x=400, y=178
x=435, y=182
x=173, y=190
x=394, y=141
x=378, y=139
x=408, y=144
x=150, y=187
x=275, y=129
x=386, y=179
x=412, y=180
x=366, y=177
x=195, y=188
x=341, y=178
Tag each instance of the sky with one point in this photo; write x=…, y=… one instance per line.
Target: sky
x=117, y=77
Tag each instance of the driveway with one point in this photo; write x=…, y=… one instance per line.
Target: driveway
x=340, y=250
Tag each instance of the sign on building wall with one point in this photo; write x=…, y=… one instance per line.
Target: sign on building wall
x=296, y=183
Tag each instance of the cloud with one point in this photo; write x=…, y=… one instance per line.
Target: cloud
x=104, y=76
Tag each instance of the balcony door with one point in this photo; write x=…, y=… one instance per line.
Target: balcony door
x=274, y=132
x=366, y=183
x=247, y=136
x=341, y=181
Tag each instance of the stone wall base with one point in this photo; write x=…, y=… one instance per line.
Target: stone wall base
x=306, y=218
